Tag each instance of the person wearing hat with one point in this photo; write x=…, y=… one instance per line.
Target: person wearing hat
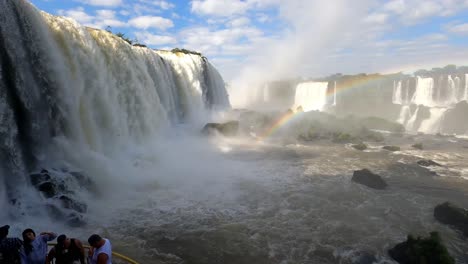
x=9, y=247
x=67, y=251
x=101, y=250
x=34, y=249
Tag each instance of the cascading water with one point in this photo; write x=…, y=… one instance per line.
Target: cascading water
x=465, y=97
x=424, y=94
x=67, y=91
x=311, y=96
x=397, y=94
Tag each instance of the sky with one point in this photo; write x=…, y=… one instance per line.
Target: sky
x=255, y=40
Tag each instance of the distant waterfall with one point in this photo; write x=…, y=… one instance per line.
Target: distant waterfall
x=397, y=93
x=311, y=96
x=424, y=94
x=465, y=97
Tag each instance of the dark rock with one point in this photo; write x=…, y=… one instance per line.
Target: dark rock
x=452, y=215
x=391, y=148
x=49, y=189
x=69, y=203
x=421, y=251
x=227, y=129
x=369, y=179
x=360, y=146
x=75, y=220
x=418, y=146
x=38, y=178
x=428, y=163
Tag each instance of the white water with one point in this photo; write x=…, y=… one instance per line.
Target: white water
x=465, y=97
x=431, y=125
x=424, y=92
x=92, y=99
x=397, y=93
x=311, y=96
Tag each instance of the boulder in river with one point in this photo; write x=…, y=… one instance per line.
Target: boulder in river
x=227, y=129
x=419, y=250
x=369, y=179
x=391, y=148
x=452, y=215
x=428, y=163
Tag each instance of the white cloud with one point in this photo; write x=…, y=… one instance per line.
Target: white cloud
x=77, y=14
x=263, y=18
x=109, y=3
x=239, y=22
x=461, y=29
x=164, y=5
x=102, y=19
x=219, y=7
x=157, y=40
x=145, y=22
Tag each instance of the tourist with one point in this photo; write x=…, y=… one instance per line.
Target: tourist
x=9, y=247
x=101, y=250
x=67, y=251
x=34, y=249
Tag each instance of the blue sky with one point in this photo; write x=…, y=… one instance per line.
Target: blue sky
x=285, y=38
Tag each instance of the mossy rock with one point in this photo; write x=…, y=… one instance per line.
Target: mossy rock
x=452, y=215
x=418, y=146
x=360, y=146
x=419, y=250
x=342, y=138
x=391, y=148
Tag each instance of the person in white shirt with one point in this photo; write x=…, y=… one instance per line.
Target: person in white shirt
x=101, y=250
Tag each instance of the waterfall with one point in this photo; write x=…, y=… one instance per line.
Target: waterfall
x=453, y=88
x=397, y=93
x=431, y=125
x=65, y=84
x=424, y=92
x=465, y=97
x=334, y=93
x=410, y=124
x=311, y=96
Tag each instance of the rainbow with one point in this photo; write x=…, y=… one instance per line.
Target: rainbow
x=342, y=86
x=280, y=122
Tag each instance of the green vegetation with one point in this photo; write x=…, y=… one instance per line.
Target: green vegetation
x=360, y=146
x=186, y=51
x=422, y=251
x=121, y=35
x=340, y=137
x=418, y=146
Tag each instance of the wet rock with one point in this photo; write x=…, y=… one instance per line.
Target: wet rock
x=418, y=146
x=428, y=163
x=38, y=178
x=452, y=215
x=360, y=146
x=227, y=129
x=421, y=250
x=69, y=203
x=369, y=179
x=49, y=189
x=391, y=148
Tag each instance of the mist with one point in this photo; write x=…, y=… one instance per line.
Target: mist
x=316, y=30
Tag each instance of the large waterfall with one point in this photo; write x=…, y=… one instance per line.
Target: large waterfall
x=67, y=91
